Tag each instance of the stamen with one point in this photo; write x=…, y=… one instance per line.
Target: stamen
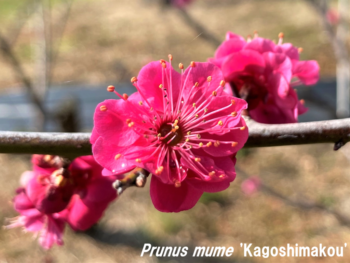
x=103, y=108
x=222, y=83
x=209, y=78
x=242, y=128
x=117, y=156
x=302, y=102
x=131, y=124
x=170, y=57
x=197, y=159
x=209, y=144
x=212, y=173
x=125, y=96
x=300, y=49
x=233, y=102
x=234, y=144
x=181, y=66
x=140, y=103
x=193, y=64
x=234, y=114
x=200, y=144
x=110, y=88
x=138, y=160
x=133, y=79
x=214, y=93
x=216, y=144
x=177, y=184
x=220, y=123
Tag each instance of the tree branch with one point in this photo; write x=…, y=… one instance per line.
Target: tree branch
x=260, y=135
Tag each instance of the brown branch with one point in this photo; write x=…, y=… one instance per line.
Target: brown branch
x=260, y=135
x=202, y=32
x=7, y=52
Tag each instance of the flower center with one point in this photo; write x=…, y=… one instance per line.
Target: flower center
x=171, y=135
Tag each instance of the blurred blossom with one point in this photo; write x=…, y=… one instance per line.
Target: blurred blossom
x=250, y=185
x=264, y=74
x=332, y=16
x=58, y=192
x=182, y=128
x=178, y=3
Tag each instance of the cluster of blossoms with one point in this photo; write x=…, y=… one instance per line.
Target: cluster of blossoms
x=265, y=74
x=184, y=128
x=55, y=194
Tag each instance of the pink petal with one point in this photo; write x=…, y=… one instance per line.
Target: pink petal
x=279, y=63
x=229, y=46
x=82, y=217
x=236, y=135
x=149, y=79
x=115, y=119
x=168, y=198
x=105, y=154
x=244, y=62
x=260, y=45
x=307, y=71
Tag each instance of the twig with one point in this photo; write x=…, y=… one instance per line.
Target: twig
x=6, y=50
x=202, y=32
x=260, y=135
x=305, y=205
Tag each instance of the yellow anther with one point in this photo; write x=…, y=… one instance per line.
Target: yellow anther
x=233, y=102
x=214, y=93
x=117, y=156
x=170, y=57
x=281, y=35
x=234, y=144
x=177, y=127
x=192, y=64
x=163, y=65
x=138, y=160
x=221, y=176
x=194, y=104
x=110, y=88
x=103, y=108
x=300, y=49
x=234, y=114
x=209, y=144
x=198, y=136
x=189, y=133
x=197, y=159
x=140, y=103
x=187, y=140
x=196, y=84
x=206, y=110
x=159, y=135
x=161, y=61
x=133, y=79
x=209, y=78
x=177, y=184
x=60, y=180
x=196, y=115
x=181, y=66
x=220, y=123
x=200, y=144
x=216, y=144
x=125, y=96
x=161, y=86
x=222, y=83
x=176, y=121
x=212, y=173
x=131, y=124
x=242, y=128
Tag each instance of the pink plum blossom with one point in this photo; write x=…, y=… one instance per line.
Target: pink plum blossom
x=48, y=227
x=55, y=193
x=181, y=127
x=251, y=185
x=264, y=74
x=332, y=16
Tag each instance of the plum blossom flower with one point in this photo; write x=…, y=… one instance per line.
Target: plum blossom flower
x=264, y=74
x=49, y=227
x=251, y=185
x=56, y=193
x=182, y=128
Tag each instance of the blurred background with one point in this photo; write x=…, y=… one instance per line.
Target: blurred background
x=57, y=58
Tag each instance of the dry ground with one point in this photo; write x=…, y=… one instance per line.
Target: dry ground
x=108, y=41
